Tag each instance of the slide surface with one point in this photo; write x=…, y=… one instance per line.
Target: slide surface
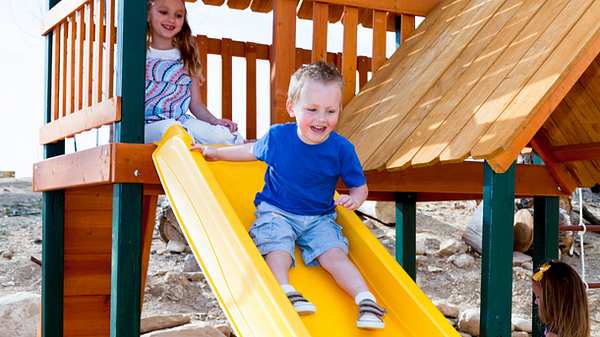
x=213, y=202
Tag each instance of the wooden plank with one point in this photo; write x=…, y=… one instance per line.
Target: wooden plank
x=87, y=274
x=407, y=26
x=546, y=88
x=363, y=71
x=95, y=116
x=420, y=8
x=111, y=40
x=576, y=152
x=590, y=79
x=379, y=39
x=214, y=2
x=335, y=13
x=202, y=43
x=305, y=10
x=226, y=79
x=132, y=163
x=282, y=65
x=64, y=65
x=559, y=171
x=320, y=14
x=453, y=88
x=238, y=4
x=100, y=39
x=250, y=91
x=414, y=83
x=90, y=53
x=80, y=57
x=71, y=64
x=55, y=90
x=365, y=17
x=148, y=222
x=87, y=315
x=59, y=13
x=350, y=21
x=262, y=6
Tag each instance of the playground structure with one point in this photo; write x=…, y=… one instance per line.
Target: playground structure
x=478, y=78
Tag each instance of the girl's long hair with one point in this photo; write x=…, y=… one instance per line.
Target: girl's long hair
x=563, y=303
x=183, y=41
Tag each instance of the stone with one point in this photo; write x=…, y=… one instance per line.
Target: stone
x=519, y=334
x=447, y=309
x=190, y=330
x=225, y=330
x=421, y=261
x=385, y=211
x=462, y=260
x=450, y=247
x=426, y=244
x=468, y=321
x=154, y=323
x=19, y=314
x=519, y=258
x=462, y=334
x=175, y=246
x=522, y=324
x=8, y=254
x=190, y=265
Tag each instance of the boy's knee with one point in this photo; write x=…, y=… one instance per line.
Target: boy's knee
x=332, y=256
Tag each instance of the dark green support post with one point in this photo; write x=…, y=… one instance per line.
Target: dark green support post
x=53, y=206
x=125, y=306
x=497, y=248
x=545, y=242
x=406, y=232
x=398, y=26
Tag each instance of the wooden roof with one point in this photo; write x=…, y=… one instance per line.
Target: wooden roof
x=336, y=7
x=479, y=78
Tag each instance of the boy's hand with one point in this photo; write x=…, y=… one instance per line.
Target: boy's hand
x=209, y=153
x=347, y=201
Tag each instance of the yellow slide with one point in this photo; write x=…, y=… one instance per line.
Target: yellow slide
x=213, y=202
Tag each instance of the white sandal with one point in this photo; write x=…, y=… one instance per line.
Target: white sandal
x=301, y=304
x=370, y=315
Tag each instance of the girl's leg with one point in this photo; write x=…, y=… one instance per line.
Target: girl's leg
x=343, y=271
x=280, y=263
x=153, y=132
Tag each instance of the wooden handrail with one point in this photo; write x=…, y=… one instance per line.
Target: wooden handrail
x=60, y=13
x=419, y=8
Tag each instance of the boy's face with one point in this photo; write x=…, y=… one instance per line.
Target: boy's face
x=316, y=111
x=166, y=18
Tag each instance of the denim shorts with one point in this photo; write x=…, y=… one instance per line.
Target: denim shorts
x=277, y=230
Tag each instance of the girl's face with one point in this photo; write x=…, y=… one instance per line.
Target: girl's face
x=166, y=18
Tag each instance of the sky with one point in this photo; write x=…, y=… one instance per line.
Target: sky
x=22, y=66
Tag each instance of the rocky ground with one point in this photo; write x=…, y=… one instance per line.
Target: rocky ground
x=448, y=270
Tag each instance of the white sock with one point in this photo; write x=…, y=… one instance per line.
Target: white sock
x=287, y=288
x=364, y=295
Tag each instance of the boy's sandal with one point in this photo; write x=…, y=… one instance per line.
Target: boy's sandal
x=301, y=304
x=370, y=315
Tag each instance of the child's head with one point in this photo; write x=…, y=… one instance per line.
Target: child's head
x=562, y=300
x=167, y=22
x=314, y=99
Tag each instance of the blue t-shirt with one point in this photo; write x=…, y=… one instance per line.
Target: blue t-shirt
x=301, y=178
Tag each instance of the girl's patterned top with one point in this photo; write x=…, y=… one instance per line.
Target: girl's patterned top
x=168, y=93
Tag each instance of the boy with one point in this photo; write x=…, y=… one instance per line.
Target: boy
x=305, y=160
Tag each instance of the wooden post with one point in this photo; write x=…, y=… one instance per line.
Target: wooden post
x=545, y=242
x=350, y=21
x=283, y=57
x=497, y=246
x=319, y=42
x=127, y=198
x=53, y=204
x=406, y=232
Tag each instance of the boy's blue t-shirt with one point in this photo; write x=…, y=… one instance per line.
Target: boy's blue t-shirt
x=301, y=178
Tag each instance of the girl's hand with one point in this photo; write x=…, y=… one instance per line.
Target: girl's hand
x=347, y=201
x=209, y=153
x=232, y=126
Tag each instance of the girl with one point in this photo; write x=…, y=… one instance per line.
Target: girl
x=562, y=300
x=173, y=80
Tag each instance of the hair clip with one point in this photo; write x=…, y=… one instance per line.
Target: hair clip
x=537, y=276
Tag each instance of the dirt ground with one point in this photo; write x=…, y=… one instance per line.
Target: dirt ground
x=170, y=290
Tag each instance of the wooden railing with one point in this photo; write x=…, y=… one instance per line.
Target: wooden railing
x=83, y=62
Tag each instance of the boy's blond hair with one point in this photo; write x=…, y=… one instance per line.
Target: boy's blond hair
x=318, y=71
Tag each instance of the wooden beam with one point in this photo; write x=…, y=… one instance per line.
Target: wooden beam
x=407, y=23
x=350, y=21
x=282, y=58
x=59, y=13
x=576, y=152
x=99, y=114
x=419, y=8
x=320, y=14
x=559, y=171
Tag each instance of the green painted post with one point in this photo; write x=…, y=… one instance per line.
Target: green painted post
x=125, y=306
x=398, y=27
x=406, y=232
x=497, y=248
x=545, y=242
x=53, y=203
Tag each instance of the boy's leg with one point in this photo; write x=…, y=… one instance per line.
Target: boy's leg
x=280, y=263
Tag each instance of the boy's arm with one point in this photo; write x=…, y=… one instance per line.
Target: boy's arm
x=199, y=110
x=229, y=153
x=355, y=198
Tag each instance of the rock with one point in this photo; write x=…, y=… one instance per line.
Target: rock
x=522, y=324
x=175, y=246
x=8, y=254
x=450, y=247
x=154, y=323
x=19, y=314
x=434, y=269
x=523, y=230
x=225, y=330
x=462, y=334
x=421, y=260
x=190, y=265
x=519, y=258
x=447, y=309
x=462, y=260
x=168, y=227
x=195, y=276
x=519, y=334
x=385, y=211
x=527, y=266
x=468, y=321
x=426, y=244
x=190, y=330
